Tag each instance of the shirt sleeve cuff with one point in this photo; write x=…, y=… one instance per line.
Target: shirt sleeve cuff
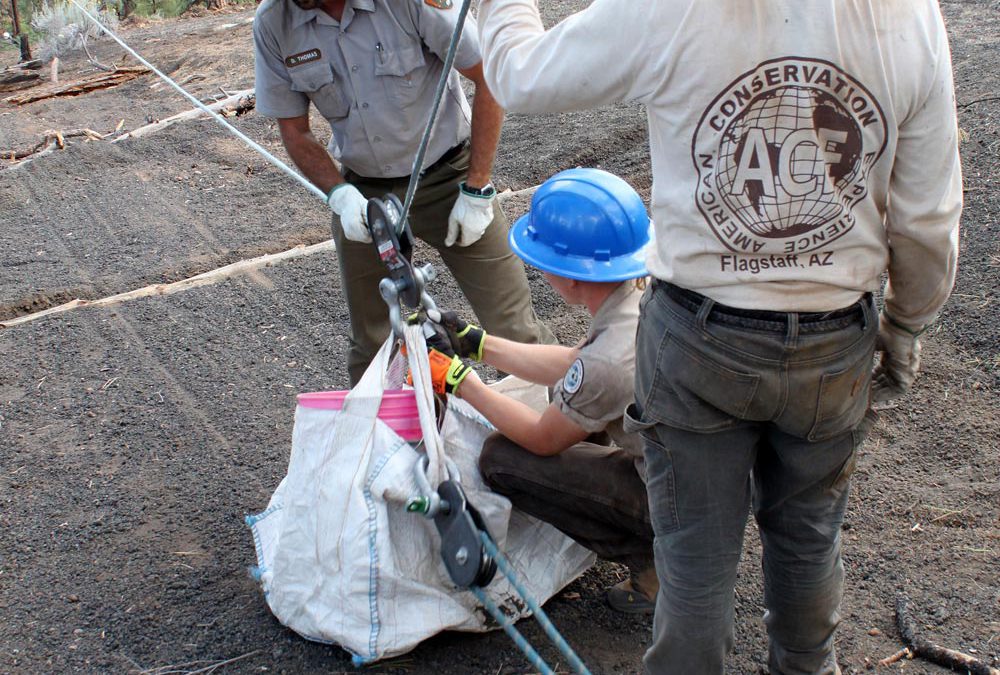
x=280, y=112
x=588, y=424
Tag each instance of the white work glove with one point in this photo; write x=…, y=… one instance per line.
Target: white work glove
x=470, y=216
x=900, y=359
x=352, y=207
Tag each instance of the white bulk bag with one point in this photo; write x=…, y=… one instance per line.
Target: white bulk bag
x=339, y=558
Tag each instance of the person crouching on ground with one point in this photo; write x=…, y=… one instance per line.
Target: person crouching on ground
x=572, y=465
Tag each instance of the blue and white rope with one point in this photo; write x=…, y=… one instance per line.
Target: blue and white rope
x=201, y=106
x=507, y=624
x=558, y=640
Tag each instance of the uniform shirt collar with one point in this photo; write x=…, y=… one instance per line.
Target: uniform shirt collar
x=304, y=16
x=612, y=308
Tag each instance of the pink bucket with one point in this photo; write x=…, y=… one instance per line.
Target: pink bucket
x=398, y=409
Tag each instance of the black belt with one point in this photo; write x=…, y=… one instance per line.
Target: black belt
x=351, y=176
x=693, y=301
x=447, y=156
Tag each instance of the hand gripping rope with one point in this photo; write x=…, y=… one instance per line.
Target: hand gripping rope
x=470, y=555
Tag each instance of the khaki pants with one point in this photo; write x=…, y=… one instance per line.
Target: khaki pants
x=490, y=276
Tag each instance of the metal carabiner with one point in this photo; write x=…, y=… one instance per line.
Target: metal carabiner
x=428, y=502
x=406, y=284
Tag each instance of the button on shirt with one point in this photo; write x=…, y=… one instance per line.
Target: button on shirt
x=372, y=75
x=599, y=385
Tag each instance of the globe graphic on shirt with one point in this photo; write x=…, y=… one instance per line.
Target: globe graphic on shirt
x=804, y=152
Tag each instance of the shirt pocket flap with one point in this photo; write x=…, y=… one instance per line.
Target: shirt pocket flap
x=317, y=82
x=399, y=61
x=311, y=78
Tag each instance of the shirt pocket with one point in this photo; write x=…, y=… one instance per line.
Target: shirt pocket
x=318, y=83
x=399, y=66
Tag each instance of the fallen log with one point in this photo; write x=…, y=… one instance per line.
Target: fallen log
x=100, y=81
x=19, y=79
x=52, y=137
x=35, y=64
x=234, y=104
x=942, y=656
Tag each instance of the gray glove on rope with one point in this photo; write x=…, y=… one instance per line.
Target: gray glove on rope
x=900, y=361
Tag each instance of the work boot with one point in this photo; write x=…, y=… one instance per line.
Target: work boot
x=637, y=594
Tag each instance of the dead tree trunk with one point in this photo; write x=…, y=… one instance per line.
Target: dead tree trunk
x=23, y=39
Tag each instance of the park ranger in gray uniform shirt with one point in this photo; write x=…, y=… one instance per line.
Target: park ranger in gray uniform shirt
x=371, y=68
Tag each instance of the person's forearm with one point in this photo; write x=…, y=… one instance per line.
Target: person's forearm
x=487, y=122
x=512, y=418
x=311, y=158
x=541, y=364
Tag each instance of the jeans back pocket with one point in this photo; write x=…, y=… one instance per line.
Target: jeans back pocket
x=842, y=400
x=689, y=388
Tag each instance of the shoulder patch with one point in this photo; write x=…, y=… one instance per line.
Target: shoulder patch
x=307, y=56
x=439, y=4
x=573, y=378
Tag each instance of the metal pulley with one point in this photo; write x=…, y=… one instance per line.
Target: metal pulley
x=458, y=522
x=406, y=283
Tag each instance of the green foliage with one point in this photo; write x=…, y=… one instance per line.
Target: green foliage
x=161, y=8
x=165, y=9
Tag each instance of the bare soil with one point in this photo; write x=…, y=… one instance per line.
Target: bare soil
x=135, y=437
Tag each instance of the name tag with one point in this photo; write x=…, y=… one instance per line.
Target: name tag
x=303, y=57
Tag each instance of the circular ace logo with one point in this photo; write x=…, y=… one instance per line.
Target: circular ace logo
x=783, y=155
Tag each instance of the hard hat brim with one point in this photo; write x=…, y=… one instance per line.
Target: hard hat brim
x=538, y=255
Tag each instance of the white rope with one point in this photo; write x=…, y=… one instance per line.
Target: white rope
x=198, y=104
x=423, y=389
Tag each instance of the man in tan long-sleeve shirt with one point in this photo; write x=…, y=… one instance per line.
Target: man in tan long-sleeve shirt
x=800, y=149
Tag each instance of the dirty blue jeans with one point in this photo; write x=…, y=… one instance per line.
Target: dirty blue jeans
x=741, y=409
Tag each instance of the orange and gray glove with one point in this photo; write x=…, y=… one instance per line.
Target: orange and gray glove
x=466, y=339
x=447, y=372
x=447, y=369
x=900, y=361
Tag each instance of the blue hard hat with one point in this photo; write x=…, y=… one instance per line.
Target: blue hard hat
x=584, y=224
